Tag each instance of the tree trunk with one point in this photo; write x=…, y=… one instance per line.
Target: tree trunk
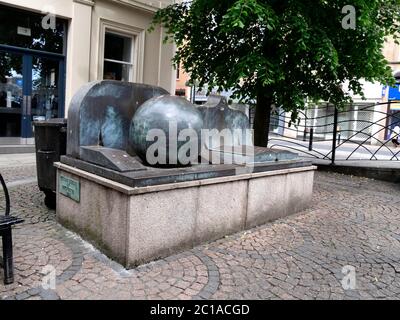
x=262, y=118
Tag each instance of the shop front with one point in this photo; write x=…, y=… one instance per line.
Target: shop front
x=32, y=72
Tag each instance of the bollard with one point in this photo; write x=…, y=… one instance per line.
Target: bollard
x=310, y=146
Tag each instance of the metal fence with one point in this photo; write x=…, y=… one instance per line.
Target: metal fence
x=359, y=132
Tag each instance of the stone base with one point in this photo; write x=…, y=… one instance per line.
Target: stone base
x=136, y=225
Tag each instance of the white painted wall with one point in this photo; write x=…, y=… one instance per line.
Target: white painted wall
x=372, y=91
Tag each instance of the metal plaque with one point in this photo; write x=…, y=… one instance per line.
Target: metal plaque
x=70, y=188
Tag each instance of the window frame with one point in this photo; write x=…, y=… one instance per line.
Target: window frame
x=131, y=64
x=137, y=37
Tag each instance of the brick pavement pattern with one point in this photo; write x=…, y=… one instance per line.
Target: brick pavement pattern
x=352, y=222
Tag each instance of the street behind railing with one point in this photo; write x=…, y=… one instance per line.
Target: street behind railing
x=359, y=132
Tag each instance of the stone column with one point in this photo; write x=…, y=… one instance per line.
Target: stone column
x=78, y=51
x=166, y=72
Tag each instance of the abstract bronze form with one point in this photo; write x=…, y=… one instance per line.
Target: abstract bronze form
x=168, y=117
x=110, y=127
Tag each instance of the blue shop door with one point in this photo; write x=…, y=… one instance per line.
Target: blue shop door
x=16, y=90
x=26, y=126
x=11, y=96
x=31, y=89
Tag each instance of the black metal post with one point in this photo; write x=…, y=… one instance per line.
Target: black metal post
x=6, y=195
x=194, y=94
x=310, y=146
x=335, y=127
x=305, y=134
x=388, y=120
x=8, y=257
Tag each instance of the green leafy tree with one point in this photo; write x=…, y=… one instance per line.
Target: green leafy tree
x=282, y=52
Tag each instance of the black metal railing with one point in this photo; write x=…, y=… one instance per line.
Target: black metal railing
x=359, y=132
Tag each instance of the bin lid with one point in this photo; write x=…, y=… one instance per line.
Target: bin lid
x=56, y=122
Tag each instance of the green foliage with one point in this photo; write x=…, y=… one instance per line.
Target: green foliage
x=292, y=50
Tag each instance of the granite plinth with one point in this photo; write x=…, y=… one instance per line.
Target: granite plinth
x=162, y=212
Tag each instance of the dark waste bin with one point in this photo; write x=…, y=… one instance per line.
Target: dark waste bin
x=51, y=144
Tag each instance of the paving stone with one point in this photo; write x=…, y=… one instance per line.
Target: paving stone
x=353, y=222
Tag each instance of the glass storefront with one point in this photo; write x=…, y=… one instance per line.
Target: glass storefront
x=45, y=87
x=11, y=80
x=32, y=72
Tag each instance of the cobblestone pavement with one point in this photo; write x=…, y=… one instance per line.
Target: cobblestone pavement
x=352, y=222
x=19, y=175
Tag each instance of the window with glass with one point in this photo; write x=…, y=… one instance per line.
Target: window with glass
x=118, y=57
x=45, y=88
x=11, y=81
x=24, y=29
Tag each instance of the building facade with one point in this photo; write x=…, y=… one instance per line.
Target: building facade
x=370, y=119
x=49, y=49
